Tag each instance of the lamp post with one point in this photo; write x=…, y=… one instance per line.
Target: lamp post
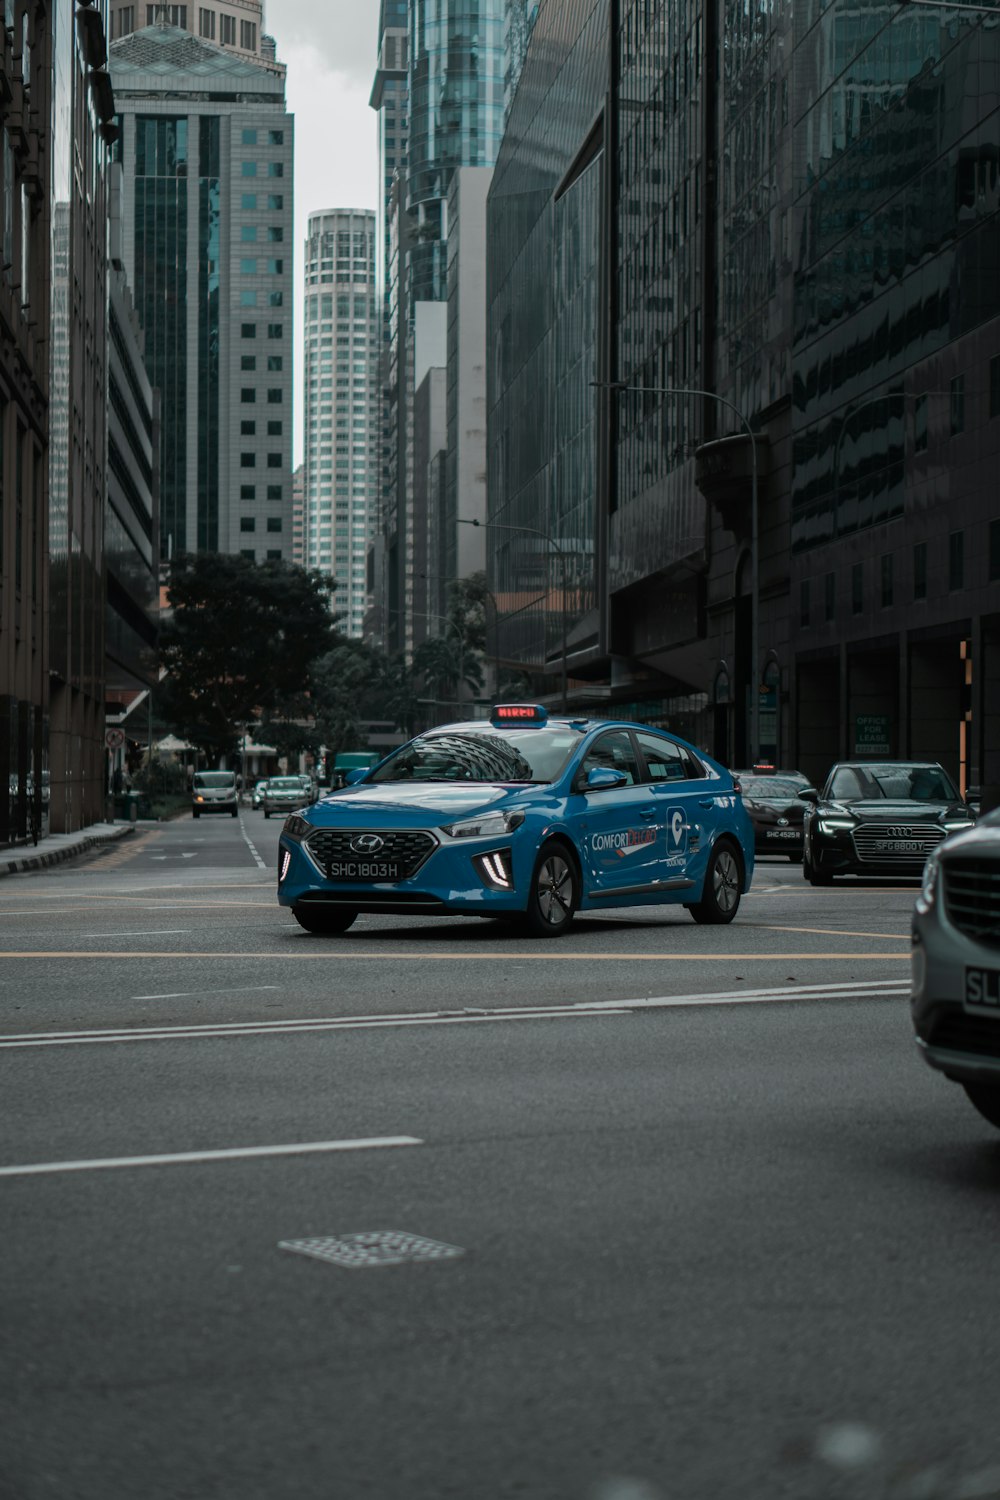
x=551, y=541
x=681, y=390
x=887, y=396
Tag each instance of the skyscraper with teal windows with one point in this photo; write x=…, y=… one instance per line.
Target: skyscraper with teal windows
x=207, y=149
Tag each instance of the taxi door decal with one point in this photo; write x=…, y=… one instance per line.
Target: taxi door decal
x=677, y=836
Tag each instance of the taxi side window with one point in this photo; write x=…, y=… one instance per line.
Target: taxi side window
x=613, y=751
x=667, y=761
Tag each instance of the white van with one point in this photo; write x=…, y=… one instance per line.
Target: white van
x=214, y=792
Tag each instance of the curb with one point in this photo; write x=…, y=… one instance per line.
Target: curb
x=41, y=860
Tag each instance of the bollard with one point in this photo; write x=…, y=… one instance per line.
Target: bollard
x=133, y=807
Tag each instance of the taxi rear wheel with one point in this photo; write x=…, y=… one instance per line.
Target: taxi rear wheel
x=555, y=892
x=324, y=920
x=984, y=1097
x=723, y=882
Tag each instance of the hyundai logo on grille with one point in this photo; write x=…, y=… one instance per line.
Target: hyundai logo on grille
x=367, y=843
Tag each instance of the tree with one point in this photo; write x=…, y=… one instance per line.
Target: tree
x=349, y=684
x=239, y=645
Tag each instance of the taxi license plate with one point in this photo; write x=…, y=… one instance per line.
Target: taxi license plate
x=363, y=869
x=899, y=846
x=982, y=990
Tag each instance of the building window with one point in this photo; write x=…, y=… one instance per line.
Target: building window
x=248, y=492
x=175, y=15
x=250, y=554
x=274, y=361
x=276, y=137
x=248, y=201
x=277, y=169
x=995, y=386
x=124, y=20
x=275, y=234
x=248, y=36
x=249, y=137
x=274, y=523
x=920, y=425
x=886, y=571
x=957, y=405
x=248, y=330
x=206, y=23
x=248, y=460
x=274, y=492
x=248, y=523
x=248, y=395
x=956, y=559
x=857, y=588
x=276, y=267
x=804, y=602
x=248, y=298
x=276, y=201
x=920, y=570
x=274, y=429
x=276, y=299
x=248, y=266
x=275, y=395
x=227, y=30
x=248, y=429
x=274, y=460
x=248, y=233
x=830, y=596
x=275, y=330
x=248, y=168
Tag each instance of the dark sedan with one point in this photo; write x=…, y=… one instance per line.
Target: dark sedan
x=773, y=800
x=880, y=818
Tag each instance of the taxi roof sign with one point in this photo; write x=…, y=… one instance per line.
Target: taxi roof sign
x=519, y=713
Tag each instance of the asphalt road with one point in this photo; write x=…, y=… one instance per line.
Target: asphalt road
x=702, y=1224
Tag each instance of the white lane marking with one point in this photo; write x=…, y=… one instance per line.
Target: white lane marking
x=863, y=990
x=303, y=1148
x=149, y=932
x=236, y=989
x=261, y=865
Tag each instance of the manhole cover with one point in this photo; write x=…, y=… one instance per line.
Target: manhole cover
x=374, y=1247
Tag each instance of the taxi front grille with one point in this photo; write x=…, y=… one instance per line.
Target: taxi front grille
x=408, y=848
x=972, y=896
x=956, y=1031
x=895, y=843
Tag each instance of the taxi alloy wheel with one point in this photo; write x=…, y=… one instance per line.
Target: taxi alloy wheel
x=555, y=892
x=721, y=898
x=324, y=920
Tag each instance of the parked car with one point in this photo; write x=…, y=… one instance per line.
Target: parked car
x=955, y=978
x=525, y=817
x=880, y=818
x=282, y=794
x=772, y=798
x=214, y=792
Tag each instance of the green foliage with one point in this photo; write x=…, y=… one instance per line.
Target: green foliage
x=239, y=646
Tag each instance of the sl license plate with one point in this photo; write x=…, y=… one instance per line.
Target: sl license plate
x=982, y=990
x=364, y=869
x=899, y=846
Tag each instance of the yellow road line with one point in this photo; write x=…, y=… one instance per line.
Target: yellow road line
x=342, y=952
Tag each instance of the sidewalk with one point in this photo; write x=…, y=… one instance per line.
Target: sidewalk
x=56, y=848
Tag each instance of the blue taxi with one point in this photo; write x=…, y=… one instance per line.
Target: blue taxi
x=522, y=816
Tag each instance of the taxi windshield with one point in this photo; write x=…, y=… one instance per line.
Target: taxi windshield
x=533, y=755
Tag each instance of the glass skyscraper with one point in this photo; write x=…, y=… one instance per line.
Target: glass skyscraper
x=341, y=404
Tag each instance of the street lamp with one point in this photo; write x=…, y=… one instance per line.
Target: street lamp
x=534, y=531
x=680, y=390
x=886, y=396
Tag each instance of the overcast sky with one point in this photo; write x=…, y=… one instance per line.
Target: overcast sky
x=328, y=47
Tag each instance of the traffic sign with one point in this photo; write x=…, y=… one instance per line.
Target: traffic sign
x=114, y=738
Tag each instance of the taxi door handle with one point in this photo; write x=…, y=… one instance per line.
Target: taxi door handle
x=648, y=812
x=706, y=801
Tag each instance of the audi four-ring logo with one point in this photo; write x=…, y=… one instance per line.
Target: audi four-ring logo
x=898, y=833
x=367, y=843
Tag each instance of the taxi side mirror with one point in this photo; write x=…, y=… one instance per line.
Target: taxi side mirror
x=604, y=779
x=354, y=776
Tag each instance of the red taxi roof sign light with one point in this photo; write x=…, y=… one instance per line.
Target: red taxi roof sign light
x=519, y=713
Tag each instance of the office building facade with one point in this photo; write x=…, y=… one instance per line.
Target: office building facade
x=787, y=448
x=207, y=149
x=235, y=25
x=341, y=405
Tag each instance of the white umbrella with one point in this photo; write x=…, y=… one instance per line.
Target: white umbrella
x=170, y=742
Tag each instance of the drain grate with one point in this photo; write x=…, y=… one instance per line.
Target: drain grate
x=373, y=1247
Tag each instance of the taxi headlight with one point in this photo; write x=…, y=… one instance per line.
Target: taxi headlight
x=487, y=826
x=929, y=881
x=296, y=827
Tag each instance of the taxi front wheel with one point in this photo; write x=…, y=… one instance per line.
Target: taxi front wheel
x=720, y=899
x=555, y=892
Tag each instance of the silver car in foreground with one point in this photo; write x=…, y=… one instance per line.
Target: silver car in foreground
x=955, y=996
